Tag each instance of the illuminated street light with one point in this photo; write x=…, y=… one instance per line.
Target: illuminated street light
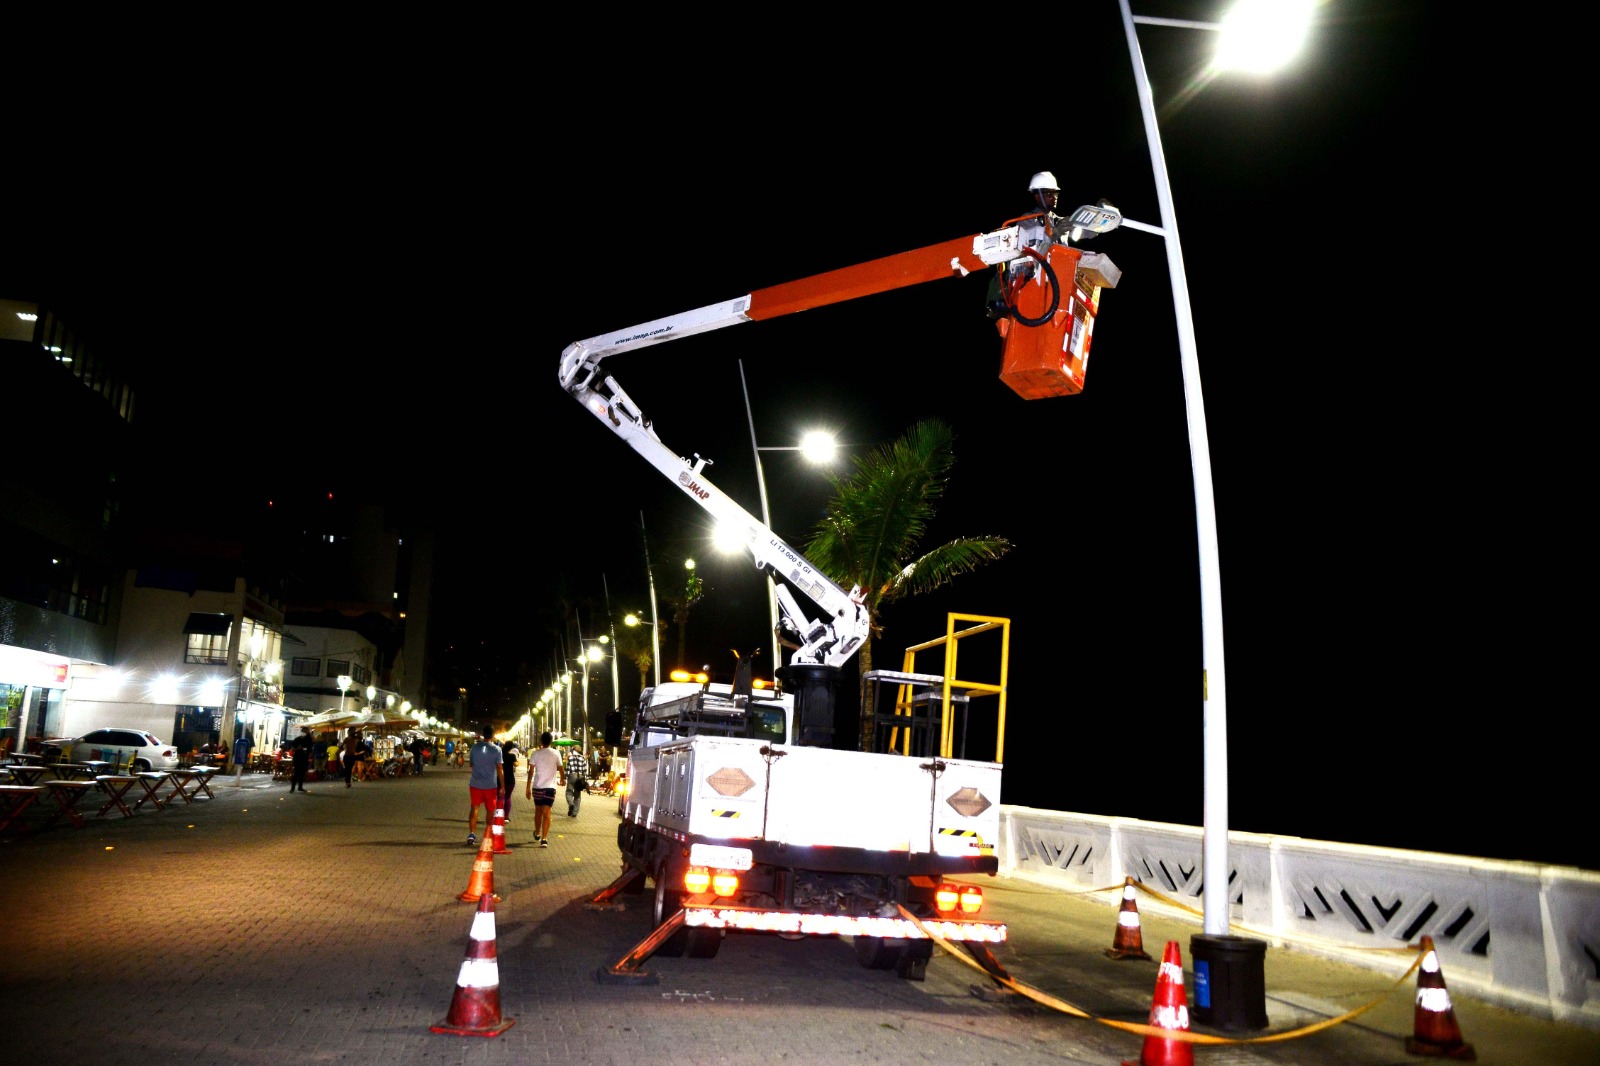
x=816, y=446
x=1213, y=677
x=344, y=682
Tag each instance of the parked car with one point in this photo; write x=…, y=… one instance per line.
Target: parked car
x=115, y=745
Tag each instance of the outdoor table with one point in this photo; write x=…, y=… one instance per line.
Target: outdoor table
x=188, y=783
x=204, y=774
x=14, y=799
x=67, y=794
x=27, y=757
x=79, y=771
x=151, y=781
x=27, y=773
x=116, y=787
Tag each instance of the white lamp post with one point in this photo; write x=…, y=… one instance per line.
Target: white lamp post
x=1213, y=678
x=816, y=447
x=344, y=682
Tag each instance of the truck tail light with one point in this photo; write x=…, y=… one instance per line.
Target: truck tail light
x=724, y=882
x=696, y=880
x=971, y=899
x=949, y=897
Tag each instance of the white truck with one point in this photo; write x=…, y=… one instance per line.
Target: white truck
x=741, y=809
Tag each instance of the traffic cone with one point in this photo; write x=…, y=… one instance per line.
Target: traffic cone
x=1434, y=1031
x=1169, y=1010
x=1129, y=941
x=475, y=1008
x=498, y=831
x=482, y=881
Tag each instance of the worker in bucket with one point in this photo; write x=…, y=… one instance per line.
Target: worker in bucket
x=1038, y=231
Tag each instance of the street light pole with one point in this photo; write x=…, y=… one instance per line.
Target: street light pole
x=655, y=626
x=1213, y=677
x=766, y=520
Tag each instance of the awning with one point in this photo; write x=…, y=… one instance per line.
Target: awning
x=214, y=625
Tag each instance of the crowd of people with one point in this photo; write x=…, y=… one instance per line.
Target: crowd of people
x=493, y=767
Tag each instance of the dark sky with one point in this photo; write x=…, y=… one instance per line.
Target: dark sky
x=367, y=272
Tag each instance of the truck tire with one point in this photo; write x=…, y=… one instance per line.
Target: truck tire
x=666, y=904
x=879, y=953
x=908, y=958
x=696, y=943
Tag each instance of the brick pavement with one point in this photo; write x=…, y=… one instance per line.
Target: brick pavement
x=265, y=927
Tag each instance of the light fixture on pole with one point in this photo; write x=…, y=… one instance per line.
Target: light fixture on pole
x=1213, y=678
x=817, y=447
x=344, y=682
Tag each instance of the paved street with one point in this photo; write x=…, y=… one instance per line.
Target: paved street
x=265, y=927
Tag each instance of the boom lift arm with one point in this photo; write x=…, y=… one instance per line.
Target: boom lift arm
x=833, y=639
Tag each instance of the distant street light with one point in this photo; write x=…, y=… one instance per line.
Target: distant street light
x=344, y=682
x=1237, y=26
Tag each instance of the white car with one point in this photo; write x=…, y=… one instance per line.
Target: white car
x=115, y=745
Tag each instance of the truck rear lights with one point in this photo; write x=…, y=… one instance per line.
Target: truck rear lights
x=949, y=897
x=699, y=879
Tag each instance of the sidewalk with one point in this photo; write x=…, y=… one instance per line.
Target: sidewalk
x=262, y=927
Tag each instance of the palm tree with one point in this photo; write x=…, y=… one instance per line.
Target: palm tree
x=875, y=522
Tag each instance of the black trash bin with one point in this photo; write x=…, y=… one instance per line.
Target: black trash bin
x=1230, y=986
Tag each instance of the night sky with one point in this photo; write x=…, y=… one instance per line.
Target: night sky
x=368, y=272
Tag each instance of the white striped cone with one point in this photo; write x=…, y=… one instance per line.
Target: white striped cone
x=475, y=1007
x=1129, y=940
x=1434, y=1029
x=497, y=831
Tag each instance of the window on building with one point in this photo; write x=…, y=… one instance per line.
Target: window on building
x=207, y=638
x=337, y=668
x=299, y=667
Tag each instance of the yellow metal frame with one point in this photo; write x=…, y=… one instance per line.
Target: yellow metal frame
x=951, y=642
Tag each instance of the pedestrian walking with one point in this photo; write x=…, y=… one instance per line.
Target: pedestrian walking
x=300, y=753
x=486, y=783
x=333, y=758
x=509, y=751
x=352, y=750
x=419, y=751
x=544, y=767
x=577, y=769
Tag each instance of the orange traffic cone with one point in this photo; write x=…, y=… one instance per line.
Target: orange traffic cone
x=475, y=1008
x=1434, y=1031
x=1169, y=1010
x=498, y=831
x=1129, y=941
x=482, y=881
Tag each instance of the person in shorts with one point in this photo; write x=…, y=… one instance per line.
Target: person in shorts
x=544, y=767
x=485, y=784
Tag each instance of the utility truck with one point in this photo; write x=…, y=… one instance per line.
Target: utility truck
x=744, y=810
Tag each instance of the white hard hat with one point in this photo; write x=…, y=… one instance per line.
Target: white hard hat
x=1043, y=180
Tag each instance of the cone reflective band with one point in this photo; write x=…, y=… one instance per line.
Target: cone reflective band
x=1435, y=1031
x=1169, y=1010
x=475, y=1007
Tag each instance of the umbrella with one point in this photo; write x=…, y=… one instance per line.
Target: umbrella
x=328, y=719
x=381, y=722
